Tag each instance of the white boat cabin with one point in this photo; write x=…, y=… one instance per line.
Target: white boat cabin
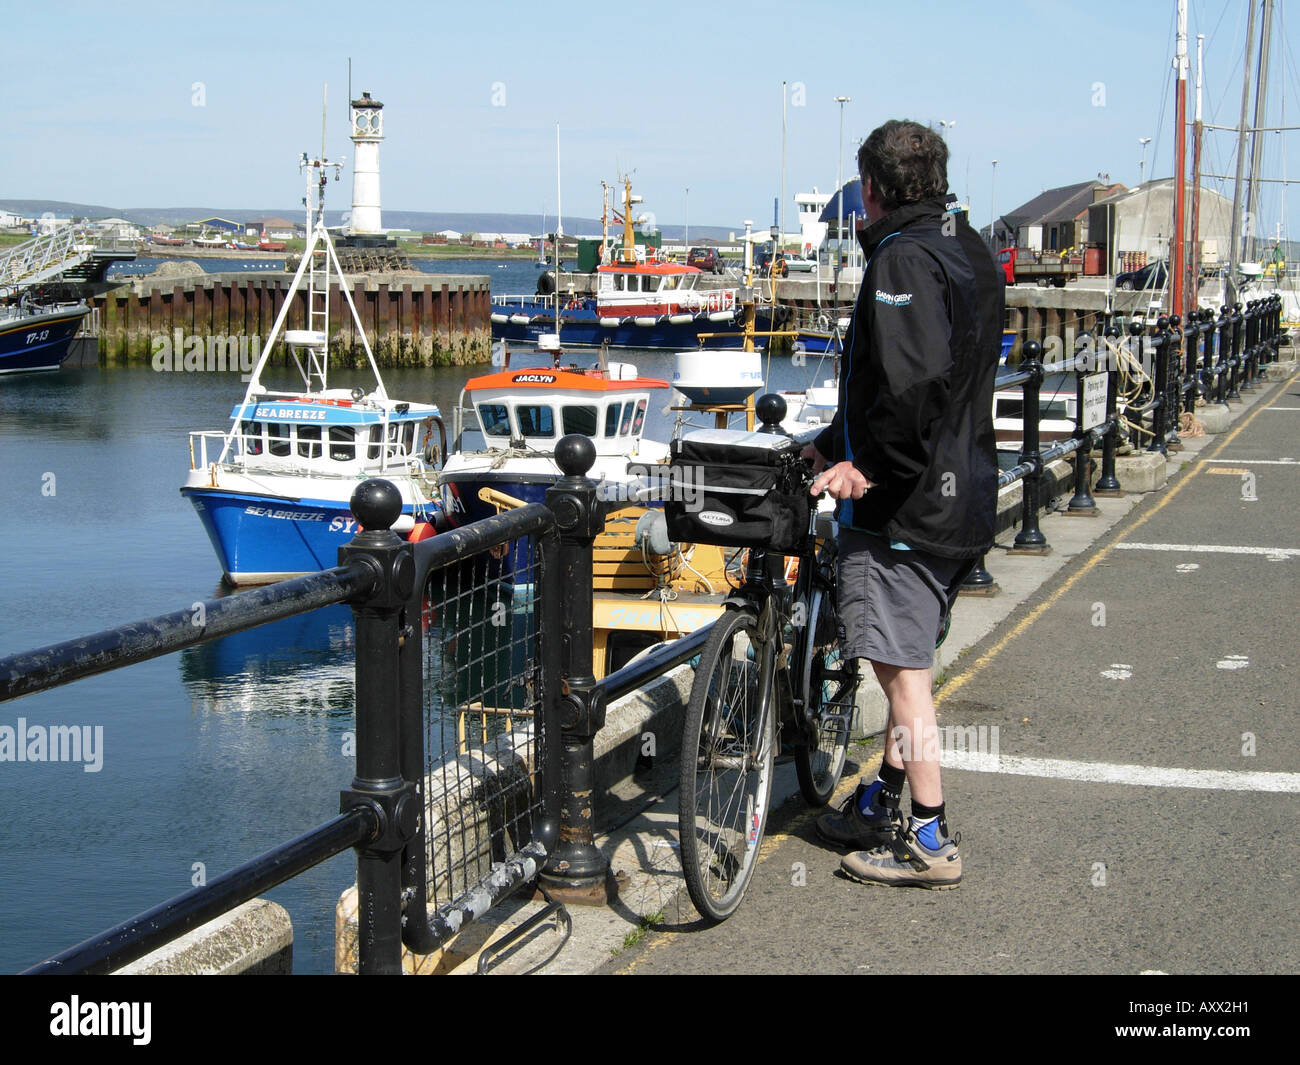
x=533, y=408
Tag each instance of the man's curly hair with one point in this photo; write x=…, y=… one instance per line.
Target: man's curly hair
x=906, y=161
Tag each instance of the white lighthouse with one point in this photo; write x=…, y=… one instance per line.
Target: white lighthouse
x=367, y=132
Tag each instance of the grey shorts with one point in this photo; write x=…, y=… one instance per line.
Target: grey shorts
x=894, y=603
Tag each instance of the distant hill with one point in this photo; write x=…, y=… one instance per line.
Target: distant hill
x=419, y=221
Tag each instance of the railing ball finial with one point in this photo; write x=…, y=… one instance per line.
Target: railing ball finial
x=1031, y=349
x=375, y=504
x=771, y=411
x=575, y=454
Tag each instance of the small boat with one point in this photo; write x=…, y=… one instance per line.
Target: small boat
x=36, y=337
x=209, y=240
x=521, y=412
x=639, y=300
x=273, y=490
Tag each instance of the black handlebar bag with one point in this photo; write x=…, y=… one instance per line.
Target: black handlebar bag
x=738, y=489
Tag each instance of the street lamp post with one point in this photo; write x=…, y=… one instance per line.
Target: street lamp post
x=839, y=198
x=1142, y=166
x=687, y=211
x=944, y=127
x=993, y=239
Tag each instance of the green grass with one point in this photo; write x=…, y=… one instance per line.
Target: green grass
x=637, y=934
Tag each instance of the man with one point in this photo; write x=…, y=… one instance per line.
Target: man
x=911, y=456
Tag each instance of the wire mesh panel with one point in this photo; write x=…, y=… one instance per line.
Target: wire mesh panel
x=482, y=712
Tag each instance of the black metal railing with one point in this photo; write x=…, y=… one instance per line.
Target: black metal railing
x=476, y=713
x=1031, y=468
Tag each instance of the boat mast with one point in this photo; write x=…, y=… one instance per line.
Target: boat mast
x=1197, y=130
x=1178, y=257
x=1256, y=141
x=629, y=237
x=1234, y=253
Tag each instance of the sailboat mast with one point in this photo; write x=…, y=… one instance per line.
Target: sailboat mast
x=1197, y=130
x=781, y=217
x=1256, y=141
x=1177, y=264
x=1234, y=253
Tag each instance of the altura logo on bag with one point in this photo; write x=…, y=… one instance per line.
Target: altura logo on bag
x=894, y=299
x=713, y=517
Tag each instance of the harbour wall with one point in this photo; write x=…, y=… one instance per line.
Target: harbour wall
x=409, y=320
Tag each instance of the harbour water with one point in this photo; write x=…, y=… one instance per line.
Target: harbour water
x=209, y=756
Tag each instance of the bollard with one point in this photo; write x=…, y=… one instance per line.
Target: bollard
x=1030, y=539
x=576, y=871
x=1160, y=386
x=1108, y=484
x=378, y=782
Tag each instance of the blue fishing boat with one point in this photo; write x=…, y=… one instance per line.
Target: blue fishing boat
x=273, y=490
x=36, y=337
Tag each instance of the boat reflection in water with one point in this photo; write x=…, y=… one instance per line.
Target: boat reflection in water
x=304, y=664
x=479, y=640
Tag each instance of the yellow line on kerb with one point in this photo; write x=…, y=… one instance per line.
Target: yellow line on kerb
x=957, y=682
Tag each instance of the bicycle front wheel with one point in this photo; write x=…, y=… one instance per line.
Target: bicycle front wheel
x=727, y=755
x=829, y=685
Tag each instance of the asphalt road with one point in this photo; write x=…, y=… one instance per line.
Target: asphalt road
x=1090, y=847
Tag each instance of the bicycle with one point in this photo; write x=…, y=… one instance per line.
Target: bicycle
x=772, y=658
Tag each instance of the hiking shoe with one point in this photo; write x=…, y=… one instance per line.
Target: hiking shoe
x=850, y=827
x=907, y=862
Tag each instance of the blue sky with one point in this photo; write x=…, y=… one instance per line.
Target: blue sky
x=102, y=98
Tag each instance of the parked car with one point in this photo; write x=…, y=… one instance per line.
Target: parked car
x=705, y=259
x=765, y=264
x=1153, y=275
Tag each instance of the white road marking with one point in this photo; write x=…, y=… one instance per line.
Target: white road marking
x=1282, y=408
x=1187, y=567
x=1107, y=773
x=1213, y=549
x=1118, y=671
x=1233, y=662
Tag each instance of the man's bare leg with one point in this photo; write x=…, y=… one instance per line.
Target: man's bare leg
x=911, y=706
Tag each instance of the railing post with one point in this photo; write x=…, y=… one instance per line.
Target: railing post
x=1159, y=387
x=1108, y=484
x=1174, y=383
x=378, y=782
x=1207, y=361
x=576, y=871
x=1223, y=366
x=1030, y=539
x=1247, y=374
x=1235, y=381
x=980, y=581
x=1081, y=504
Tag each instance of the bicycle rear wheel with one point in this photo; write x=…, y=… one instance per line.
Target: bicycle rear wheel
x=727, y=756
x=829, y=685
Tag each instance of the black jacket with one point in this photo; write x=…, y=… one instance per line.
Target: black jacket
x=916, y=388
